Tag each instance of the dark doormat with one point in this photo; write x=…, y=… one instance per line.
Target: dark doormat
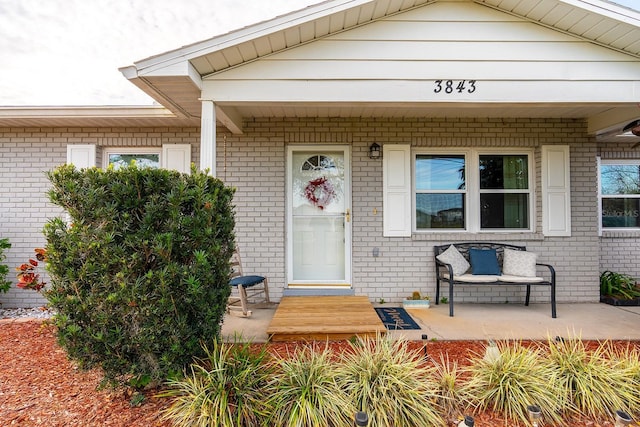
x=395, y=318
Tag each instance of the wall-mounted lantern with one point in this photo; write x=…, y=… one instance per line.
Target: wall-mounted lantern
x=374, y=151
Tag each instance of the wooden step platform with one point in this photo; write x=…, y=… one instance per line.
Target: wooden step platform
x=324, y=318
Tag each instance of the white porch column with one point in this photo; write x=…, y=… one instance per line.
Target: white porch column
x=208, y=137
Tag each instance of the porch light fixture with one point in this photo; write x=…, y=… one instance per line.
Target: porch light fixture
x=633, y=127
x=374, y=151
x=622, y=419
x=534, y=415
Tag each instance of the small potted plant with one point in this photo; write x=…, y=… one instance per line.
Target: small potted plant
x=619, y=289
x=416, y=300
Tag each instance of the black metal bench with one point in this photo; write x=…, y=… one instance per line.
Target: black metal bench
x=444, y=273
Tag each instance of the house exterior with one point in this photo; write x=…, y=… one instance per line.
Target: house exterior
x=496, y=121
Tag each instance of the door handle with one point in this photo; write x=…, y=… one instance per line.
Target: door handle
x=347, y=215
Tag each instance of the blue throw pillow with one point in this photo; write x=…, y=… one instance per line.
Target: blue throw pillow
x=484, y=261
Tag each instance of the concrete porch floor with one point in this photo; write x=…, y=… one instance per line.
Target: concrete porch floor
x=484, y=321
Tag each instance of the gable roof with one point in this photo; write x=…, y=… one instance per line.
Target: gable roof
x=176, y=78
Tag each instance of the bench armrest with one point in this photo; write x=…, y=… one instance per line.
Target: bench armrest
x=449, y=267
x=551, y=270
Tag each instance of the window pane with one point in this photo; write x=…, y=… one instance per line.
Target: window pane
x=442, y=172
x=500, y=210
x=439, y=211
x=504, y=172
x=150, y=160
x=620, y=212
x=318, y=183
x=620, y=179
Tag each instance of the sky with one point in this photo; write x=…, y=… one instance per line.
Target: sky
x=67, y=52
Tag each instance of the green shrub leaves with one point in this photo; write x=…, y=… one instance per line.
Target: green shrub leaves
x=4, y=269
x=140, y=272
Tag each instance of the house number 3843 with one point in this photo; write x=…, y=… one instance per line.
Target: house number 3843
x=449, y=86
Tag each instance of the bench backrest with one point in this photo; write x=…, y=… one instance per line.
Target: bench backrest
x=463, y=248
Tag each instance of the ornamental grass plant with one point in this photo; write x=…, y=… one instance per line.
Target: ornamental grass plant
x=449, y=386
x=627, y=360
x=226, y=388
x=304, y=393
x=590, y=382
x=520, y=377
x=395, y=385
x=388, y=380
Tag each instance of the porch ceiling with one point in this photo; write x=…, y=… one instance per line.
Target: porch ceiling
x=598, y=116
x=439, y=110
x=157, y=116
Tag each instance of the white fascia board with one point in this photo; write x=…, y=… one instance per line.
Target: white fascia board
x=394, y=91
x=130, y=72
x=183, y=68
x=29, y=112
x=251, y=32
x=606, y=9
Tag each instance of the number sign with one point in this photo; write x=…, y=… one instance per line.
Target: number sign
x=450, y=86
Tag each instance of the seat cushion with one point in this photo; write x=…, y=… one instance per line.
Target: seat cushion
x=246, y=281
x=519, y=279
x=484, y=261
x=476, y=278
x=453, y=256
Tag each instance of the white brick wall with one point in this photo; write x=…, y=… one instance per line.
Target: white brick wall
x=406, y=264
x=255, y=163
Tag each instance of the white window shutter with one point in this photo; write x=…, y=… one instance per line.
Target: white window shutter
x=177, y=157
x=81, y=155
x=396, y=197
x=556, y=191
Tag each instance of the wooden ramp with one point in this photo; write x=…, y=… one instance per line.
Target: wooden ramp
x=324, y=318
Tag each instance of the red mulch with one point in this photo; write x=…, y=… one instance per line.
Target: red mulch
x=40, y=387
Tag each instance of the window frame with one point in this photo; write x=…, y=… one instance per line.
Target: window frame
x=602, y=162
x=130, y=150
x=472, y=191
x=415, y=191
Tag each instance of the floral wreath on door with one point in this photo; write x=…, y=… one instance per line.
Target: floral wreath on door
x=320, y=192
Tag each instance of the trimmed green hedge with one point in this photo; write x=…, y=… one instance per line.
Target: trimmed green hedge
x=5, y=284
x=139, y=274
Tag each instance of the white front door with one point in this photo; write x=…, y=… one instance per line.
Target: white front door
x=319, y=216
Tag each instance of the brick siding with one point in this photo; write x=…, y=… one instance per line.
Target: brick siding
x=255, y=164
